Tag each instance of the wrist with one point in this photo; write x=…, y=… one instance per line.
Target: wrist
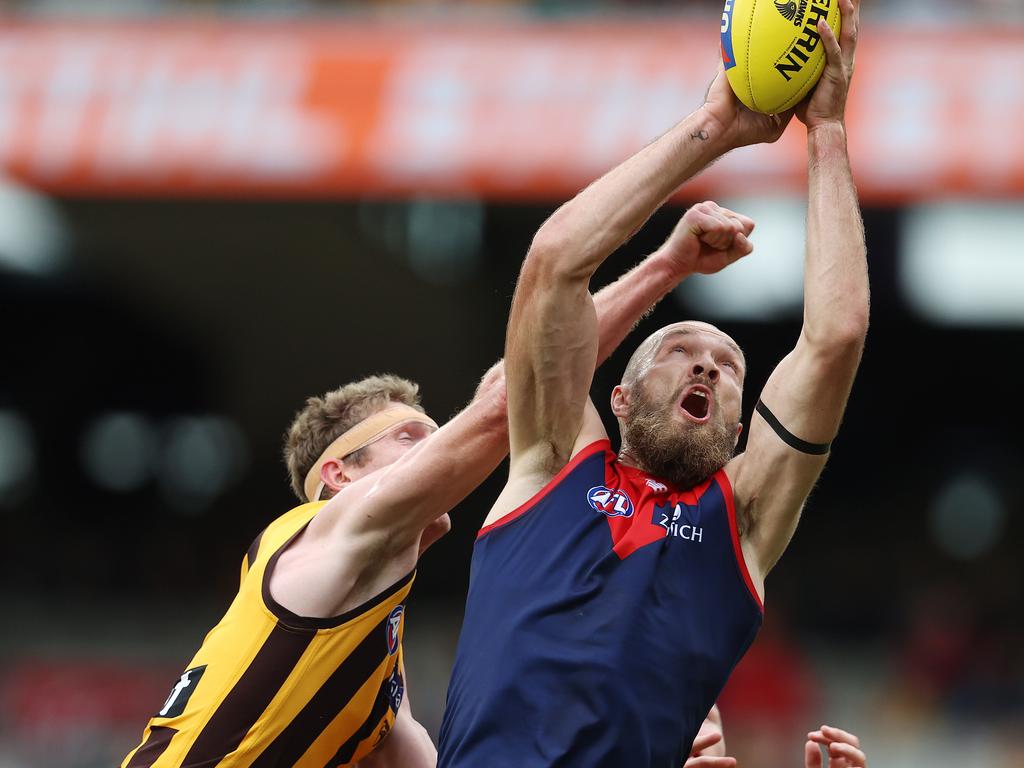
x=828, y=131
x=825, y=139
x=705, y=127
x=666, y=267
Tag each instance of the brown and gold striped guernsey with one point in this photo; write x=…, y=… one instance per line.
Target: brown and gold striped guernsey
x=269, y=688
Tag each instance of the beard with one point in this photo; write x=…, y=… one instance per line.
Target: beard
x=683, y=454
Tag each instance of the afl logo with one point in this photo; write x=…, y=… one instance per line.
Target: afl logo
x=728, y=57
x=393, y=625
x=727, y=16
x=609, y=502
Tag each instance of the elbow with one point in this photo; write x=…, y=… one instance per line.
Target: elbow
x=842, y=339
x=554, y=256
x=842, y=324
x=543, y=260
x=852, y=332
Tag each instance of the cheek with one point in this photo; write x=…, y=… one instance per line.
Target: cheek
x=660, y=387
x=732, y=406
x=389, y=454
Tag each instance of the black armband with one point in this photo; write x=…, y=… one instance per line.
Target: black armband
x=815, y=449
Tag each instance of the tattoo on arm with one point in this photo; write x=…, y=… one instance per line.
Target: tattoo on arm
x=701, y=134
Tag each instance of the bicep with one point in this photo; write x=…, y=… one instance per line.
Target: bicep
x=550, y=353
x=807, y=394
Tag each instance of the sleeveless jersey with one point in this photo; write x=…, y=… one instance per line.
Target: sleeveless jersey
x=269, y=688
x=604, y=616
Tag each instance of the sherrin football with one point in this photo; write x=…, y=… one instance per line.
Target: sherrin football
x=772, y=51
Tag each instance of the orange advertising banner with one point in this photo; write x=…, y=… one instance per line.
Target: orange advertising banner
x=511, y=111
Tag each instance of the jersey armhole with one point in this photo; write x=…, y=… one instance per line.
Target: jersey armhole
x=597, y=446
x=311, y=623
x=741, y=563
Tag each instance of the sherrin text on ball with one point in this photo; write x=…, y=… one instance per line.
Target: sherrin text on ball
x=772, y=50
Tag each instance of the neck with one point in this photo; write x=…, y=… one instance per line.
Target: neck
x=627, y=457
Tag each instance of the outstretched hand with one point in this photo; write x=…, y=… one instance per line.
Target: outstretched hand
x=843, y=749
x=707, y=239
x=702, y=754
x=827, y=102
x=741, y=126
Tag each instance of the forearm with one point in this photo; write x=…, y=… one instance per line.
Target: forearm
x=586, y=230
x=836, y=293
x=621, y=305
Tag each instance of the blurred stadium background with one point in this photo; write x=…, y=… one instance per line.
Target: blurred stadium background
x=211, y=210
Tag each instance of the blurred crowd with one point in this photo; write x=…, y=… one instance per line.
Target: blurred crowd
x=998, y=10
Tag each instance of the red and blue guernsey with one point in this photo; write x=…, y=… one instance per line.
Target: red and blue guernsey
x=604, y=617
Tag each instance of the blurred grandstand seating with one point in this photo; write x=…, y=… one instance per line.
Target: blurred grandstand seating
x=931, y=9
x=174, y=301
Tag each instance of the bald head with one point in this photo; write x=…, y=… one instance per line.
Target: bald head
x=645, y=354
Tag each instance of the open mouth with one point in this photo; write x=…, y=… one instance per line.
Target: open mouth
x=697, y=404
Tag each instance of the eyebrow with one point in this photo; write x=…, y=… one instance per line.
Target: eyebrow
x=690, y=331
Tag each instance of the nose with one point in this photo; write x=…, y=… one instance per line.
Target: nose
x=706, y=367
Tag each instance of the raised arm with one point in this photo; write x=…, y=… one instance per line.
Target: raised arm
x=400, y=500
x=552, y=341
x=803, y=401
x=391, y=507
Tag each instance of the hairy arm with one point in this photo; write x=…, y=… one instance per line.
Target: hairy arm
x=552, y=342
x=553, y=294
x=391, y=507
x=808, y=390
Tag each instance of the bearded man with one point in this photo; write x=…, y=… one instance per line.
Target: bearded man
x=612, y=595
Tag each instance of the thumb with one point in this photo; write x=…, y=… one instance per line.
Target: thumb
x=812, y=755
x=704, y=741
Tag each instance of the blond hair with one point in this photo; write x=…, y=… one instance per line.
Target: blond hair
x=326, y=418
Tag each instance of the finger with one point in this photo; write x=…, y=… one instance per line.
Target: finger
x=715, y=229
x=719, y=72
x=698, y=221
x=812, y=755
x=745, y=223
x=730, y=220
x=853, y=755
x=723, y=239
x=850, y=11
x=724, y=258
x=710, y=762
x=742, y=244
x=833, y=53
x=838, y=734
x=850, y=33
x=710, y=207
x=703, y=742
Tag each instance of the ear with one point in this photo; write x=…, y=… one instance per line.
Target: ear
x=333, y=475
x=736, y=437
x=620, y=401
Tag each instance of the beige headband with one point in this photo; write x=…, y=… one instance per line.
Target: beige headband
x=361, y=435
